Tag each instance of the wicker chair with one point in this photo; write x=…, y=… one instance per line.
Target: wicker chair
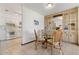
x=55, y=40
x=37, y=39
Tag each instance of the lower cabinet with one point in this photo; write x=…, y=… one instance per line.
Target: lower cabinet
x=73, y=37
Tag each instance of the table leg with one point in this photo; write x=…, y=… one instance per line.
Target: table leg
x=46, y=42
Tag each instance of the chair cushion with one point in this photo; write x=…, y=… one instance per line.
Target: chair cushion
x=50, y=41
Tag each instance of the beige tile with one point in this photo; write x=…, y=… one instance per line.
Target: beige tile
x=14, y=47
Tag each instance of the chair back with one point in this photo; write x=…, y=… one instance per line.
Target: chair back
x=40, y=34
x=58, y=35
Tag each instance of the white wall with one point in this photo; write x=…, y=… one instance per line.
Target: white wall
x=28, y=24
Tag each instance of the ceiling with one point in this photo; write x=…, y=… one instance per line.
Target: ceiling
x=41, y=7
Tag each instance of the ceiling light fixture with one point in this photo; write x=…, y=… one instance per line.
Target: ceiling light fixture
x=50, y=5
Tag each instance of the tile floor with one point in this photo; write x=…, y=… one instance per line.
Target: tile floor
x=14, y=47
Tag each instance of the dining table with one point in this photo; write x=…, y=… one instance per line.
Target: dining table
x=46, y=38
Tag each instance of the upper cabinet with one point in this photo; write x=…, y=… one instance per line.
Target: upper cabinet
x=70, y=18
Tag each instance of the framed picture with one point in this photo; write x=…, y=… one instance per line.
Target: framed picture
x=36, y=22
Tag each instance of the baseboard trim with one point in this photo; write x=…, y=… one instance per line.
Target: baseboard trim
x=14, y=38
x=10, y=39
x=70, y=42
x=28, y=42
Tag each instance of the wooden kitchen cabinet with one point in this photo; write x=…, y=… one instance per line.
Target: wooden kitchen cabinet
x=70, y=23
x=70, y=20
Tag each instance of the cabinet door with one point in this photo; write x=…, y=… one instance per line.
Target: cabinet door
x=66, y=21
x=73, y=27
x=73, y=37
x=48, y=25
